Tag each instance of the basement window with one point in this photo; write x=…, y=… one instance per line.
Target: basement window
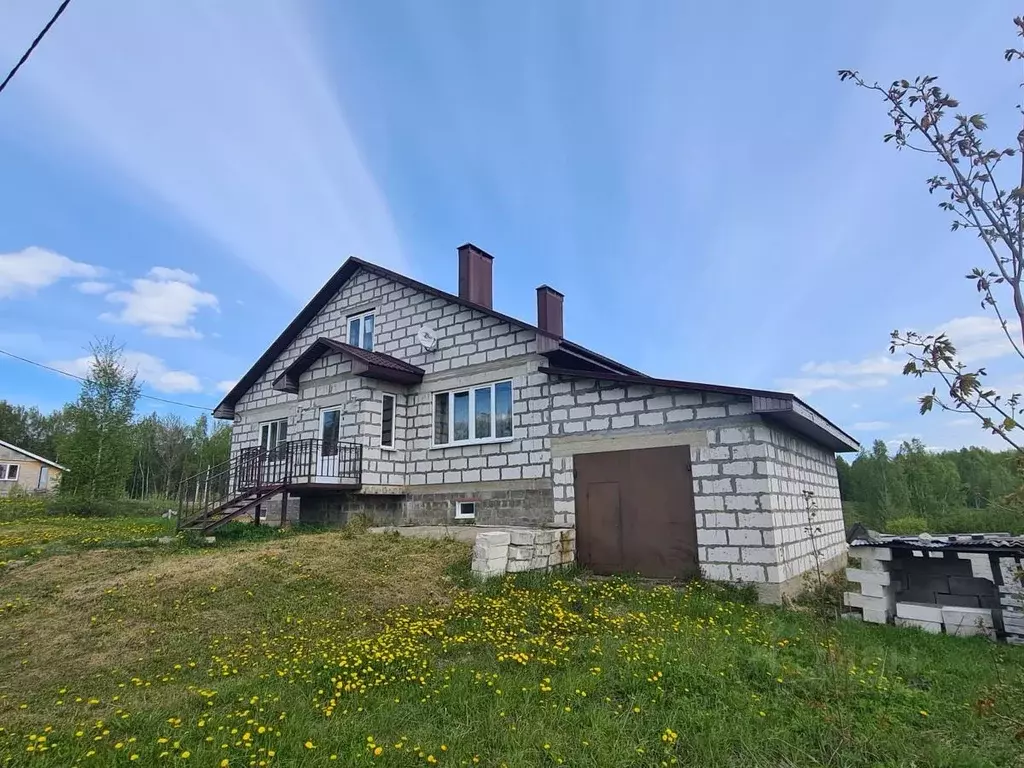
x=465, y=510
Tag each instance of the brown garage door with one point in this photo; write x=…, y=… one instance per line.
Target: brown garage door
x=634, y=512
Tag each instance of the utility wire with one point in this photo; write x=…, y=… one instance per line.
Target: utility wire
x=73, y=376
x=40, y=36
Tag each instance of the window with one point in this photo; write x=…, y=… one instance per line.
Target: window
x=360, y=331
x=465, y=510
x=9, y=471
x=387, y=421
x=478, y=414
x=273, y=434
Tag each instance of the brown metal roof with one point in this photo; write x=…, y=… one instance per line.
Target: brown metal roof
x=564, y=350
x=373, y=365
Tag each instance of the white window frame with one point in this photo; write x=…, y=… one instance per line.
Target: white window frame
x=461, y=505
x=384, y=396
x=472, y=440
x=361, y=318
x=267, y=425
x=8, y=468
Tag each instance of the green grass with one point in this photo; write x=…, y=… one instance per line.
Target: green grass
x=32, y=537
x=342, y=649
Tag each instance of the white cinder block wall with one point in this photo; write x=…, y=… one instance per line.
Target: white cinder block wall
x=749, y=476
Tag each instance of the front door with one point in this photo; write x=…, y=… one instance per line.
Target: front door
x=328, y=462
x=635, y=512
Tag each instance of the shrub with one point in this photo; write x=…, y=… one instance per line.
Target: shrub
x=19, y=505
x=82, y=507
x=907, y=526
x=823, y=597
x=978, y=521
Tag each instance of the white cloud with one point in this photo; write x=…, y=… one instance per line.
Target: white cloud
x=870, y=426
x=871, y=366
x=263, y=170
x=808, y=385
x=93, y=287
x=977, y=338
x=26, y=271
x=170, y=273
x=225, y=386
x=162, y=304
x=150, y=369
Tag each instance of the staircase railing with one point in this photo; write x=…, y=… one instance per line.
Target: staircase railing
x=253, y=471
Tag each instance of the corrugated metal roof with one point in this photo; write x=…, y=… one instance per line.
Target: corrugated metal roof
x=1011, y=544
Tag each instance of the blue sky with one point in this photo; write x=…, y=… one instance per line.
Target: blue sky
x=715, y=205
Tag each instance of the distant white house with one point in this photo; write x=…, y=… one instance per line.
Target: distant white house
x=25, y=470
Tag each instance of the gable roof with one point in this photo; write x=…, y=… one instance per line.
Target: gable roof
x=781, y=407
x=31, y=455
x=373, y=365
x=559, y=348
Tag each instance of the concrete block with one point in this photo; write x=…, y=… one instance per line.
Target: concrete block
x=935, y=627
x=874, y=553
x=963, y=601
x=981, y=568
x=520, y=553
x=539, y=563
x=724, y=554
x=919, y=611
x=518, y=566
x=715, y=572
x=873, y=566
x=494, y=538
x=750, y=573
x=521, y=538
x=741, y=537
x=966, y=622
x=856, y=600
x=880, y=578
x=758, y=555
x=873, y=590
x=875, y=616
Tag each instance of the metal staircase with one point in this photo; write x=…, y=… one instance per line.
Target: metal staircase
x=236, y=487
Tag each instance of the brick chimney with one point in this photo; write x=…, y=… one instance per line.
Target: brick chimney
x=549, y=310
x=475, y=275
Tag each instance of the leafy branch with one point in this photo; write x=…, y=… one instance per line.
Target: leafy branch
x=983, y=197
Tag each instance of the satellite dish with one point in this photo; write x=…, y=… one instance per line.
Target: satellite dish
x=427, y=337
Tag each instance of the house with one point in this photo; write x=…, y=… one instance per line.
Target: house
x=393, y=399
x=27, y=472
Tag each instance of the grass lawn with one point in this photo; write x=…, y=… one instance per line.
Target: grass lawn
x=359, y=649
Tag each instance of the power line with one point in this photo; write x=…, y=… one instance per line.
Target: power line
x=40, y=36
x=80, y=378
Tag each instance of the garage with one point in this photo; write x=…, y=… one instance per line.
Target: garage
x=635, y=512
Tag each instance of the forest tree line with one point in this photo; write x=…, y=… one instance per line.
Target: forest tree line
x=928, y=485
x=111, y=451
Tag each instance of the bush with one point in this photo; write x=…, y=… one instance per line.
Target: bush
x=18, y=505
x=70, y=506
x=907, y=526
x=823, y=597
x=978, y=521
x=80, y=507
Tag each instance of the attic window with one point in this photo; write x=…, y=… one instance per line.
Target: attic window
x=360, y=331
